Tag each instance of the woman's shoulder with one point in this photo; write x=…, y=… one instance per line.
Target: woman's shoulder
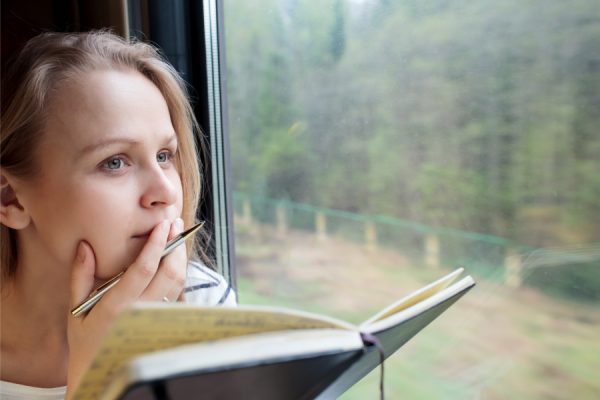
x=207, y=287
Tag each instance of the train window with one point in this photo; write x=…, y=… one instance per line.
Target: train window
x=377, y=144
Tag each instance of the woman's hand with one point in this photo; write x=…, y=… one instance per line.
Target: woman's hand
x=149, y=278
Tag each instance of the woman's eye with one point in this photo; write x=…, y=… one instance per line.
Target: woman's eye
x=164, y=156
x=113, y=163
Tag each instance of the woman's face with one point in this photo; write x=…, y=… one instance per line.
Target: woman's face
x=108, y=172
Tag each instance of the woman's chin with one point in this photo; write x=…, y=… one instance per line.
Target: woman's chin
x=115, y=265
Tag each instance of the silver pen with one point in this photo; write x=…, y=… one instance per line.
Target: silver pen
x=101, y=290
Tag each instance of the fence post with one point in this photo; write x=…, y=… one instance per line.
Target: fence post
x=432, y=250
x=281, y=216
x=512, y=264
x=321, y=225
x=247, y=211
x=370, y=236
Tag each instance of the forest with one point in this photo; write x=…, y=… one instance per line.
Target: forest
x=482, y=115
x=480, y=119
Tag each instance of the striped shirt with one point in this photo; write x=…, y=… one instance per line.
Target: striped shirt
x=206, y=287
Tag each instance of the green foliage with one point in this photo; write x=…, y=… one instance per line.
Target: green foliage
x=575, y=281
x=281, y=163
x=438, y=186
x=338, y=38
x=479, y=116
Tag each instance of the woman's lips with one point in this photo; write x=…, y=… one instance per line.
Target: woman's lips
x=142, y=236
x=145, y=235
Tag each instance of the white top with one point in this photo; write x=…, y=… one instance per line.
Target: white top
x=13, y=391
x=204, y=287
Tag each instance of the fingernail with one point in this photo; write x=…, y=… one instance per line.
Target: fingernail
x=165, y=225
x=179, y=224
x=81, y=252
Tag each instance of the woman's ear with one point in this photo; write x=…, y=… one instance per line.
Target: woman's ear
x=12, y=213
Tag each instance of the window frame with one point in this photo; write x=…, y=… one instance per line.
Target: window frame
x=191, y=37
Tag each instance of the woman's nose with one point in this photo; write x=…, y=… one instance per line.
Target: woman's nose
x=160, y=188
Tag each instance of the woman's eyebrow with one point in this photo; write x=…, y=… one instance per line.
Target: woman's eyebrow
x=168, y=139
x=107, y=142
x=172, y=137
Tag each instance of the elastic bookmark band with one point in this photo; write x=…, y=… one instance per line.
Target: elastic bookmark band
x=372, y=340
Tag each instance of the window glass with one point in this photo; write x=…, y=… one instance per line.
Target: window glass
x=376, y=145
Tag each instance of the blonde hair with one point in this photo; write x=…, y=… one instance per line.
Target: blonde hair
x=52, y=58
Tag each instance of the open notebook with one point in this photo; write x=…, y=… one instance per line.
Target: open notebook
x=175, y=350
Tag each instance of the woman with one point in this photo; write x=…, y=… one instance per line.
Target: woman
x=98, y=171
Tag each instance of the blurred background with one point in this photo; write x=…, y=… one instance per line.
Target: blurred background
x=378, y=144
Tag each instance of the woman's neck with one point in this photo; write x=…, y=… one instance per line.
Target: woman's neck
x=34, y=313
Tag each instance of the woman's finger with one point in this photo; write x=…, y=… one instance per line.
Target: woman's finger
x=176, y=228
x=82, y=274
x=176, y=292
x=170, y=277
x=139, y=274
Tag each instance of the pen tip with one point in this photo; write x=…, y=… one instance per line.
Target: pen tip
x=193, y=229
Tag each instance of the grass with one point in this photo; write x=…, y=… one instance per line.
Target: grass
x=495, y=343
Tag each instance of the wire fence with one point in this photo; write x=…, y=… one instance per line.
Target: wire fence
x=486, y=256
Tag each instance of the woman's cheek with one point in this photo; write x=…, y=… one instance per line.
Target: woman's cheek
x=112, y=258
